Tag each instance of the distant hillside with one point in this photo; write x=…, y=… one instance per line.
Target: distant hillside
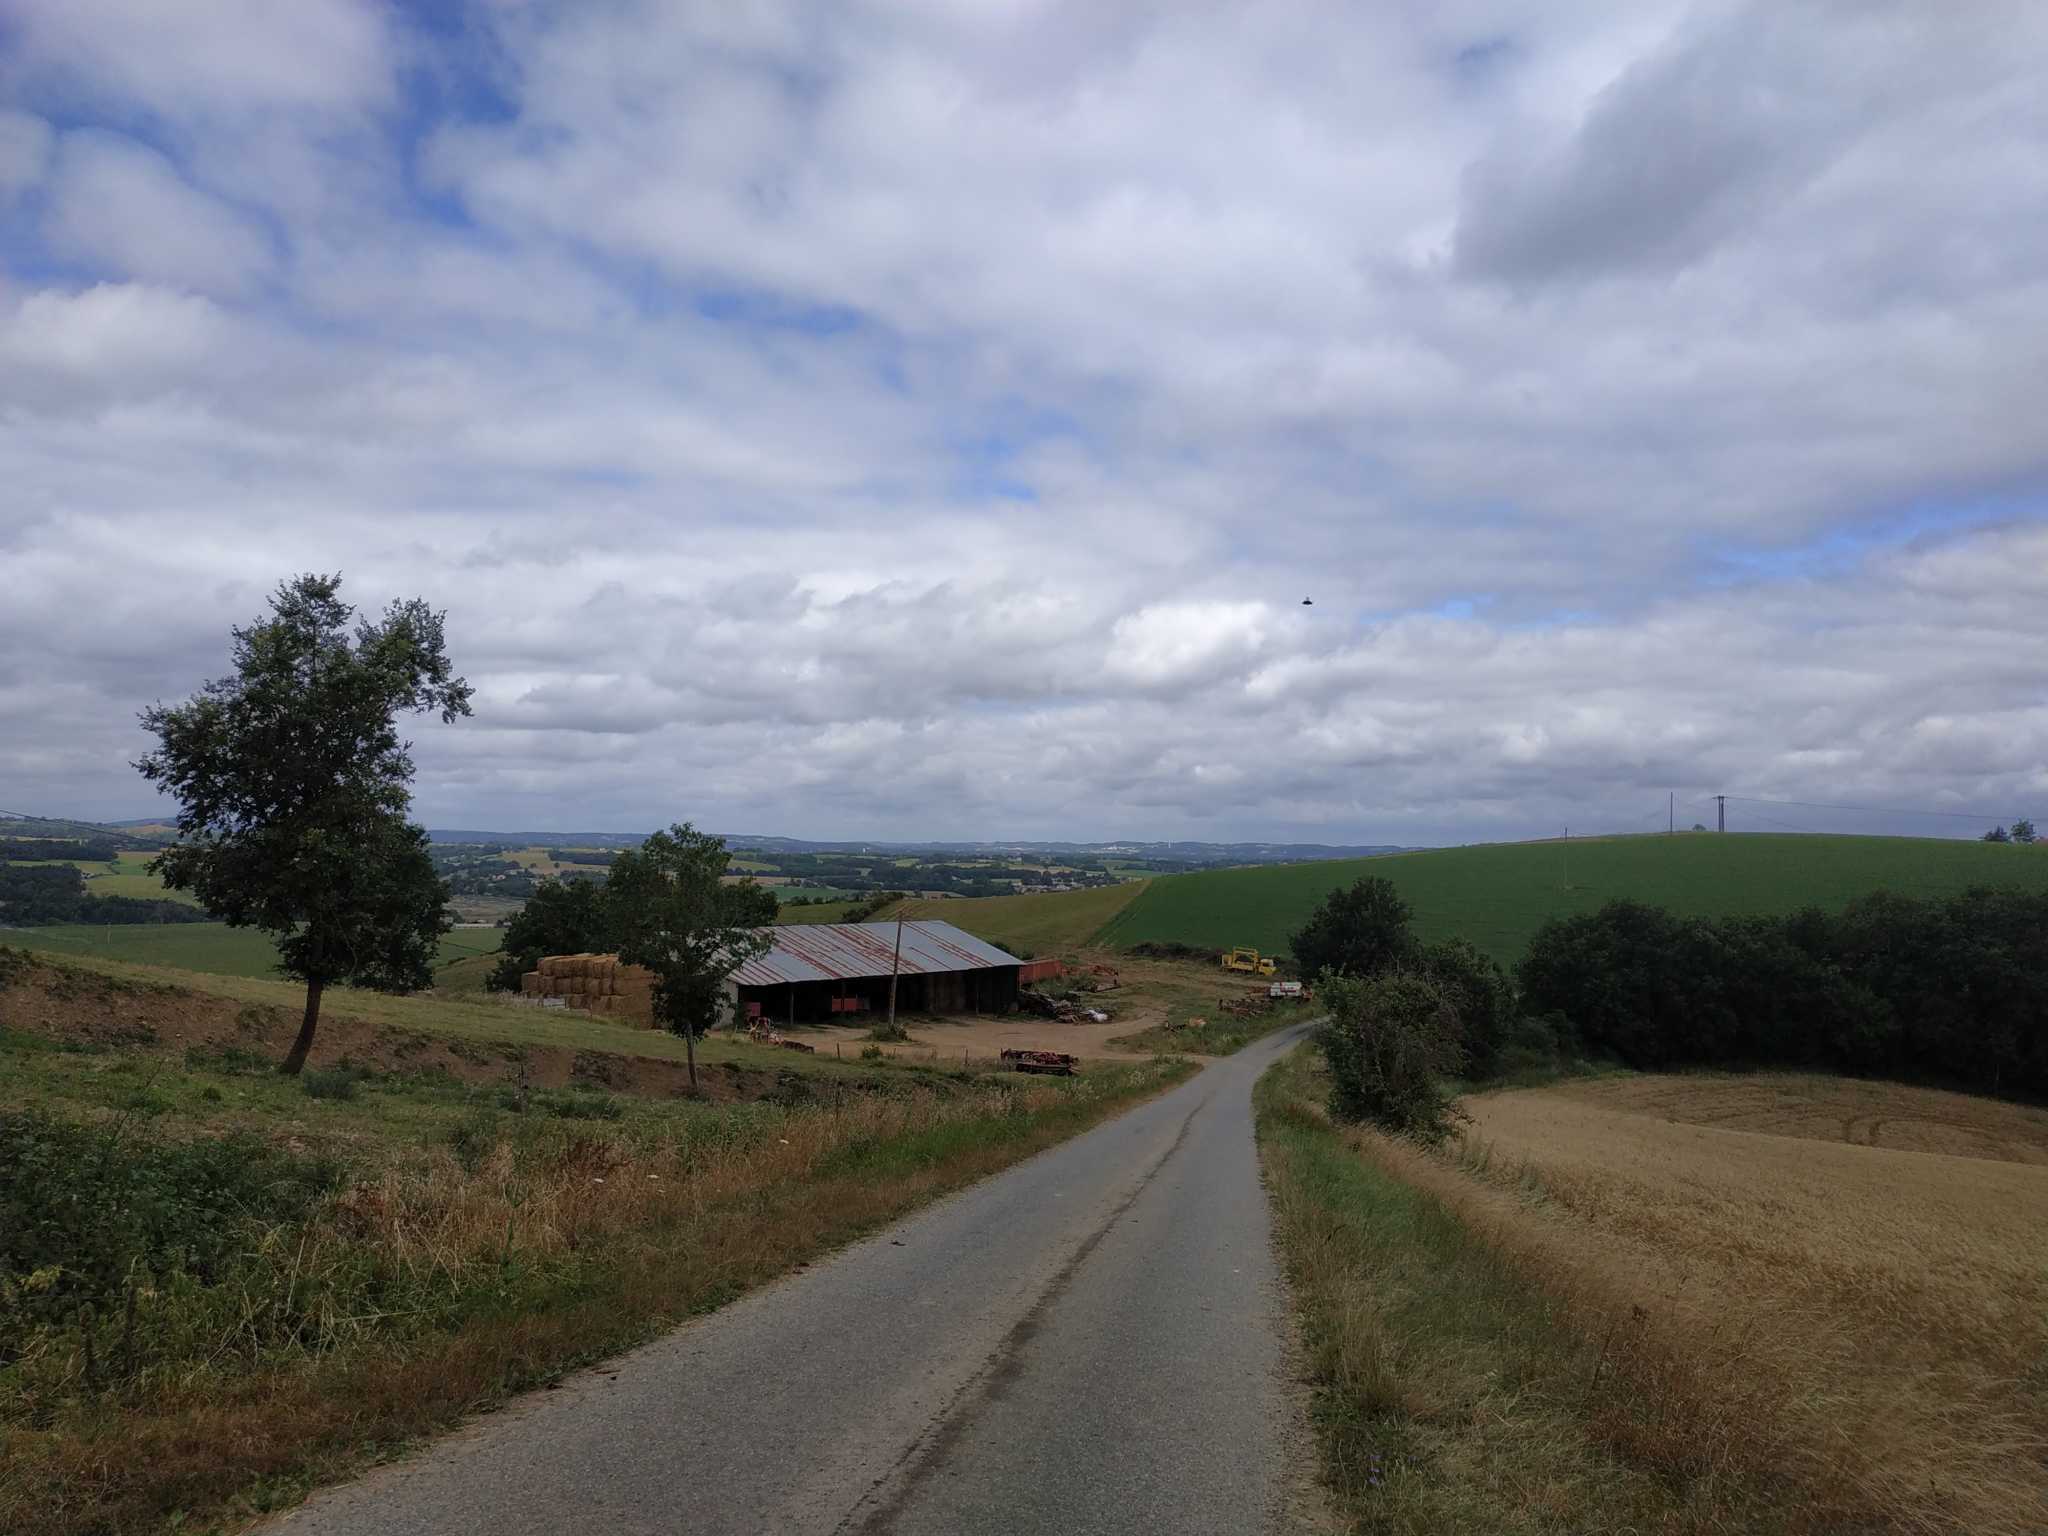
x=1497, y=895
x=1185, y=852
x=130, y=834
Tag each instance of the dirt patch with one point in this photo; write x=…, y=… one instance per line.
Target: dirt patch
x=88, y=1009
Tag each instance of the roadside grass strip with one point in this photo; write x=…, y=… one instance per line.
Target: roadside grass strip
x=1457, y=1389
x=264, y=1319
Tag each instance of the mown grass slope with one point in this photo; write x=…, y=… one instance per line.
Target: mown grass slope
x=490, y=1023
x=1042, y=922
x=211, y=947
x=1497, y=895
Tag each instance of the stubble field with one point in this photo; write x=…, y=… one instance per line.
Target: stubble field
x=1864, y=1267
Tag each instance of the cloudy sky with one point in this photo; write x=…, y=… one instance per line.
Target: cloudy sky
x=927, y=419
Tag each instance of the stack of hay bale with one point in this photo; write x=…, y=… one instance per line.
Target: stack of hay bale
x=595, y=983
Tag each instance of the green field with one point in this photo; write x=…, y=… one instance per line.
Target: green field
x=1041, y=922
x=212, y=947
x=1497, y=895
x=130, y=876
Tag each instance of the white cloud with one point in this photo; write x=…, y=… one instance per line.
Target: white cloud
x=24, y=152
x=208, y=55
x=120, y=206
x=927, y=420
x=118, y=333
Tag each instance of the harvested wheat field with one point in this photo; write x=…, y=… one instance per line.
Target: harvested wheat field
x=1863, y=1267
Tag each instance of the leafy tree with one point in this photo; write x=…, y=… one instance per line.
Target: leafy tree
x=1390, y=1040
x=1360, y=930
x=1997, y=835
x=1480, y=994
x=2023, y=831
x=561, y=917
x=293, y=786
x=673, y=914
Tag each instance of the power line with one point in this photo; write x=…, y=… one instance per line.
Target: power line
x=1786, y=825
x=1872, y=810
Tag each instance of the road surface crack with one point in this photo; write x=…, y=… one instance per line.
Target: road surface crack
x=927, y=1452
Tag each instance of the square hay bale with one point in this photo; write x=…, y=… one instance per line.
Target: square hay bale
x=530, y=983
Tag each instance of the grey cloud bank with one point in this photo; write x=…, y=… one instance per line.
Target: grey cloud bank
x=925, y=421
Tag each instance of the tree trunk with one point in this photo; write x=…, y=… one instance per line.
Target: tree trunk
x=303, y=1046
x=690, y=1050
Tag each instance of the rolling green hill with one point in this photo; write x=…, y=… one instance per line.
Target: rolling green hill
x=1497, y=895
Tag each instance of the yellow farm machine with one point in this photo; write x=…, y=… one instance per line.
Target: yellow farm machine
x=1247, y=961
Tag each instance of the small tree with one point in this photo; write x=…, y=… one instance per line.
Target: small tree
x=293, y=786
x=561, y=917
x=1997, y=835
x=1360, y=930
x=673, y=913
x=1390, y=1040
x=2023, y=831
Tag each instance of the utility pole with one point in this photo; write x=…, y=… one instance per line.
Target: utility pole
x=895, y=964
x=1721, y=803
x=1567, y=858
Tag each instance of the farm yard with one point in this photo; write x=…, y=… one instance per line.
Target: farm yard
x=1167, y=1007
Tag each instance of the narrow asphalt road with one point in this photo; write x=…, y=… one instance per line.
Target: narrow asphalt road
x=1094, y=1341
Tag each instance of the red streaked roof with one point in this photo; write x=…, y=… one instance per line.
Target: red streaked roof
x=850, y=951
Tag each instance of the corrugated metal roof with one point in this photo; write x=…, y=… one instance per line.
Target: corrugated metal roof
x=845, y=951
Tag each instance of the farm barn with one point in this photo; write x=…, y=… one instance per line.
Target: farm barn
x=823, y=971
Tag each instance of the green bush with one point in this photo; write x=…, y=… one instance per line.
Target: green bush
x=1480, y=993
x=474, y=1137
x=336, y=1082
x=1390, y=1040
x=1360, y=930
x=88, y=1213
x=587, y=1105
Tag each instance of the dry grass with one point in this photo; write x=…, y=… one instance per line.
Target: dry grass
x=1609, y=1311
x=447, y=1276
x=1860, y=1269
x=1451, y=1395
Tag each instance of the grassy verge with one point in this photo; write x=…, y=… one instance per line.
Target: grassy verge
x=238, y=1287
x=1212, y=1037
x=1456, y=1390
